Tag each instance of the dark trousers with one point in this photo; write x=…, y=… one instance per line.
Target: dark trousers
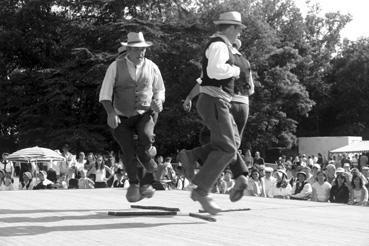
x=224, y=140
x=135, y=135
x=240, y=112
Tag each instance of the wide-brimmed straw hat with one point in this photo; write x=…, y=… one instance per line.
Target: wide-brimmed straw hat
x=232, y=17
x=136, y=39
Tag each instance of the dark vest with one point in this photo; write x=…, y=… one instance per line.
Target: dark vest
x=226, y=84
x=241, y=85
x=299, y=187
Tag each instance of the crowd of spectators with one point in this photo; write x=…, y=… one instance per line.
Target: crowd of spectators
x=340, y=178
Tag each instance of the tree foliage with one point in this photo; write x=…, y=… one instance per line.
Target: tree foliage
x=54, y=54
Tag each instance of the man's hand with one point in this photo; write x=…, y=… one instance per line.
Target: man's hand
x=187, y=105
x=113, y=120
x=157, y=105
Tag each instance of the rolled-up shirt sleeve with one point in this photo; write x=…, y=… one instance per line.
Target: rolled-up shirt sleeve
x=218, y=68
x=106, y=91
x=158, y=85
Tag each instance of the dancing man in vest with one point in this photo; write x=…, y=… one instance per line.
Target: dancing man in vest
x=213, y=105
x=244, y=87
x=132, y=94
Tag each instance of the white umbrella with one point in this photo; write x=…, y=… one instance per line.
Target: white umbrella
x=35, y=154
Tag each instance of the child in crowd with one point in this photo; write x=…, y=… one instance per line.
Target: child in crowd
x=84, y=182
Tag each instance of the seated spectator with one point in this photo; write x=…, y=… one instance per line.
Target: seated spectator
x=84, y=182
x=359, y=193
x=27, y=183
x=120, y=178
x=340, y=192
x=8, y=182
x=228, y=181
x=321, y=188
x=255, y=184
x=302, y=189
x=281, y=189
x=269, y=181
x=220, y=186
x=44, y=182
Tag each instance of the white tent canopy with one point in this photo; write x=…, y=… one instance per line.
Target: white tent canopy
x=356, y=147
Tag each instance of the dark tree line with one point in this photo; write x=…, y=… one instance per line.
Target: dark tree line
x=53, y=57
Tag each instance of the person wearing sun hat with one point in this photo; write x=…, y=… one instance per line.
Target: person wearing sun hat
x=132, y=94
x=213, y=105
x=302, y=189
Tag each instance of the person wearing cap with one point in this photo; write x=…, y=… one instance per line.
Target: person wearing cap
x=269, y=181
x=282, y=188
x=239, y=109
x=213, y=105
x=132, y=94
x=302, y=189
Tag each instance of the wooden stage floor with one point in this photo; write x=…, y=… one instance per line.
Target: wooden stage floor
x=79, y=217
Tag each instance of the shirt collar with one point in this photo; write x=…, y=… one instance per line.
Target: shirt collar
x=226, y=40
x=132, y=64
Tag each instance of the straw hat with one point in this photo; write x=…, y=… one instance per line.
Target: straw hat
x=136, y=39
x=232, y=17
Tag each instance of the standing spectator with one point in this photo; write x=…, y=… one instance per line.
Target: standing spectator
x=256, y=185
x=100, y=171
x=320, y=160
x=258, y=160
x=296, y=162
x=6, y=165
x=282, y=188
x=321, y=188
x=220, y=186
x=345, y=159
x=8, y=183
x=316, y=168
x=302, y=189
x=359, y=193
x=269, y=181
x=248, y=159
x=340, y=192
x=90, y=166
x=365, y=172
x=363, y=160
x=355, y=161
x=81, y=160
